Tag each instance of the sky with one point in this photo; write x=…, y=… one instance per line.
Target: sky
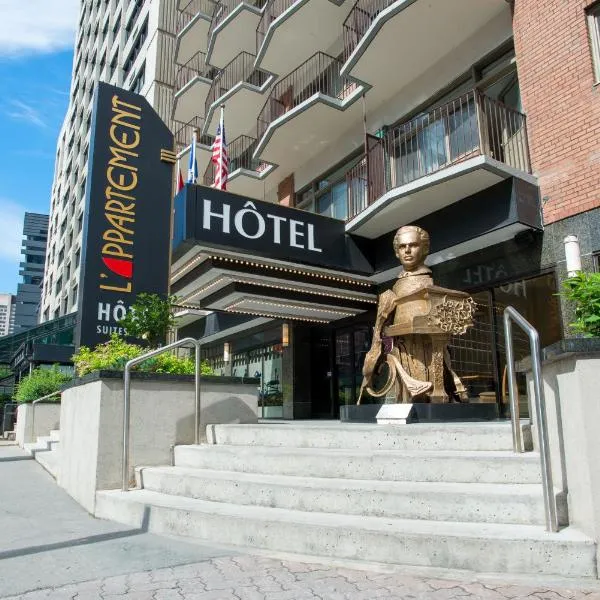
x=36, y=56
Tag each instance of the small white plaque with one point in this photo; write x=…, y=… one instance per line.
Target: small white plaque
x=393, y=414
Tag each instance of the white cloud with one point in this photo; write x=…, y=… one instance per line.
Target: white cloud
x=25, y=112
x=12, y=230
x=37, y=26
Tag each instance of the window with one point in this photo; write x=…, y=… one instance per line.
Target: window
x=593, y=17
x=332, y=194
x=113, y=65
x=116, y=26
x=138, y=83
x=137, y=46
x=134, y=16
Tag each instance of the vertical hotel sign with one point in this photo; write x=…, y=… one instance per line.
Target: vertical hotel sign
x=126, y=231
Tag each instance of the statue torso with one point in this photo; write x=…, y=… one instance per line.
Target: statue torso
x=407, y=284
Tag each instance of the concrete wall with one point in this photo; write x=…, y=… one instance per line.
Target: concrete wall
x=28, y=428
x=162, y=415
x=571, y=384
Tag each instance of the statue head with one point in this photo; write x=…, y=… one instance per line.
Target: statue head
x=411, y=245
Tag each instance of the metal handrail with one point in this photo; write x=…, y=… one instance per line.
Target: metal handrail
x=33, y=405
x=127, y=398
x=512, y=315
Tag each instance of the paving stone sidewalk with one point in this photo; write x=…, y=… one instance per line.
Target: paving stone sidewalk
x=248, y=577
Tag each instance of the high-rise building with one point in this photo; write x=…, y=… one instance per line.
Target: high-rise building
x=29, y=290
x=7, y=314
x=475, y=119
x=127, y=43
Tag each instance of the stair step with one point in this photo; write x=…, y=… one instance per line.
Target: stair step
x=40, y=445
x=469, y=502
x=417, y=436
x=50, y=461
x=450, y=466
x=472, y=546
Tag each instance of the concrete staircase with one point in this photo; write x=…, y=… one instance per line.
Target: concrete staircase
x=46, y=451
x=449, y=496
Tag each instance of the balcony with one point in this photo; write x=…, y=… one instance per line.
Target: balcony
x=232, y=30
x=390, y=43
x=241, y=88
x=434, y=160
x=290, y=31
x=193, y=27
x=192, y=86
x=184, y=133
x=246, y=174
x=306, y=111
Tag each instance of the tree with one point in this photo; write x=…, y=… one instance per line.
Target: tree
x=150, y=318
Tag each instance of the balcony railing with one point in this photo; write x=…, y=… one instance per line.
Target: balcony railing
x=190, y=10
x=272, y=10
x=195, y=67
x=319, y=74
x=240, y=157
x=240, y=69
x=224, y=7
x=469, y=126
x=184, y=133
x=359, y=20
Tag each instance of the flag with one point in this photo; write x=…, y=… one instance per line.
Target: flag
x=219, y=156
x=193, y=164
x=180, y=183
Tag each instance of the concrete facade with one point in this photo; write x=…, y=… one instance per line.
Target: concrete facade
x=573, y=413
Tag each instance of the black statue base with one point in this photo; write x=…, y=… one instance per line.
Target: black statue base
x=424, y=413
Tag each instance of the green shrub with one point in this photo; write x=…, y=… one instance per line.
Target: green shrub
x=110, y=355
x=150, y=318
x=116, y=352
x=584, y=290
x=41, y=382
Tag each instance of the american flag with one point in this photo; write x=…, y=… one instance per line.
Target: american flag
x=219, y=157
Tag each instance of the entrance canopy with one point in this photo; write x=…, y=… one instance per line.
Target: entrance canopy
x=238, y=255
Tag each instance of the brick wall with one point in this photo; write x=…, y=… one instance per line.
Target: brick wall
x=556, y=78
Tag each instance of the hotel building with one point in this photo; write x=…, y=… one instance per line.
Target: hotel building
x=127, y=43
x=475, y=119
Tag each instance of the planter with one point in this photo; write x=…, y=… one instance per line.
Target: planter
x=571, y=383
x=162, y=415
x=29, y=428
x=272, y=412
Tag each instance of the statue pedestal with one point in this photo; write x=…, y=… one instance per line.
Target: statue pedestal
x=393, y=414
x=423, y=412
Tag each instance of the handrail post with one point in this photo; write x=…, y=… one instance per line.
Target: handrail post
x=513, y=392
x=511, y=314
x=127, y=398
x=197, y=394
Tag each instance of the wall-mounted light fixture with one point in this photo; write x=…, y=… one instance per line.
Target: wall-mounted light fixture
x=226, y=352
x=573, y=255
x=285, y=335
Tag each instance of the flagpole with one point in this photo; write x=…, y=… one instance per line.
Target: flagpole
x=222, y=141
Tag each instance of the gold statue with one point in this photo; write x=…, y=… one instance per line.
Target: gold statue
x=417, y=318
